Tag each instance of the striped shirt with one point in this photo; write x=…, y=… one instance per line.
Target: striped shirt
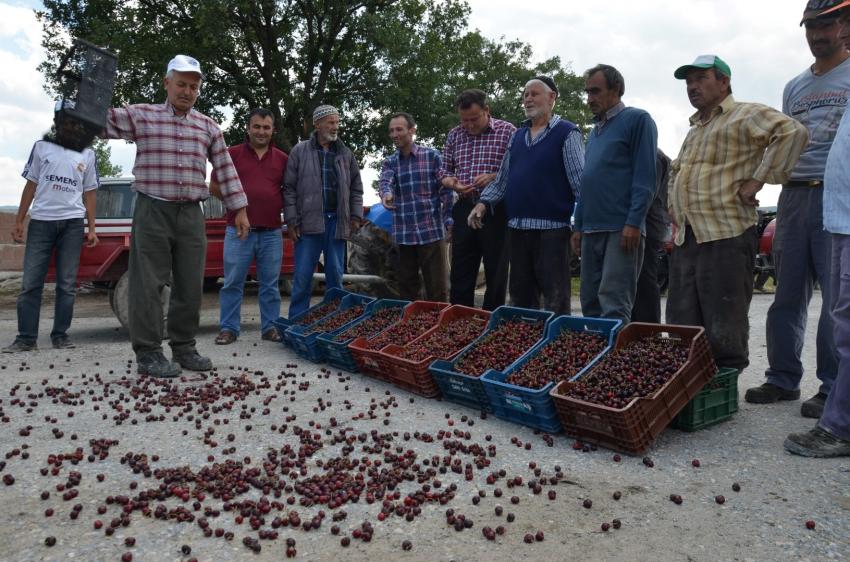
x=466, y=156
x=573, y=155
x=422, y=206
x=741, y=141
x=172, y=153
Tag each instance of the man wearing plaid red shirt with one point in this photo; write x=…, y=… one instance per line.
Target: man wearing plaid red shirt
x=410, y=187
x=471, y=159
x=168, y=240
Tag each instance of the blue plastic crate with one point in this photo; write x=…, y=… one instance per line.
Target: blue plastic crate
x=305, y=344
x=336, y=351
x=534, y=407
x=283, y=324
x=468, y=390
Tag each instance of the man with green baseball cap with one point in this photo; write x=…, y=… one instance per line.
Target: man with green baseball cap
x=732, y=149
x=704, y=61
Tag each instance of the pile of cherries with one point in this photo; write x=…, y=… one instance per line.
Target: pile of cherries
x=337, y=321
x=636, y=370
x=406, y=331
x=380, y=320
x=447, y=340
x=319, y=311
x=499, y=348
x=559, y=359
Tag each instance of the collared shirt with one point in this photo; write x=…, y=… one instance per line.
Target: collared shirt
x=573, y=155
x=466, y=156
x=610, y=114
x=262, y=181
x=172, y=152
x=422, y=206
x=836, y=181
x=740, y=141
x=330, y=183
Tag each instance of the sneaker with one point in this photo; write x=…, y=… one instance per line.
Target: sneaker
x=63, y=342
x=817, y=443
x=768, y=393
x=155, y=365
x=813, y=407
x=271, y=335
x=192, y=360
x=225, y=337
x=20, y=345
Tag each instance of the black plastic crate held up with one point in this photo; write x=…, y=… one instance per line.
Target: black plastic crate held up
x=88, y=75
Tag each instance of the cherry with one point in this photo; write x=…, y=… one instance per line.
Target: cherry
x=810, y=525
x=736, y=487
x=587, y=504
x=50, y=541
x=617, y=495
x=616, y=523
x=605, y=527
x=528, y=538
x=695, y=463
x=720, y=499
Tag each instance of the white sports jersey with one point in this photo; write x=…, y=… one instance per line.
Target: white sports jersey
x=61, y=176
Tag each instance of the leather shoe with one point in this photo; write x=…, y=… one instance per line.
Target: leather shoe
x=192, y=360
x=768, y=393
x=225, y=337
x=813, y=407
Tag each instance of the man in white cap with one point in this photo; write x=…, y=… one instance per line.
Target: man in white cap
x=168, y=244
x=323, y=204
x=61, y=183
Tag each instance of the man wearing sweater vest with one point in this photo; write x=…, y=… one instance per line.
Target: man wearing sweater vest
x=617, y=187
x=539, y=180
x=730, y=152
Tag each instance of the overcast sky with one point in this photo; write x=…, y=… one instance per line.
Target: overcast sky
x=646, y=40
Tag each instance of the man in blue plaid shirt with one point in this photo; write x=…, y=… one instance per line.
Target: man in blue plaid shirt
x=410, y=187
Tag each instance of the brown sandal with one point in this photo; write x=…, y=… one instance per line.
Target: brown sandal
x=272, y=335
x=225, y=337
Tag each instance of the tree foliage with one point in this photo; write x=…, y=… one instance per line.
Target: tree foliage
x=103, y=153
x=367, y=57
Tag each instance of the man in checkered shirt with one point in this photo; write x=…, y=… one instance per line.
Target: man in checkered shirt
x=168, y=243
x=471, y=159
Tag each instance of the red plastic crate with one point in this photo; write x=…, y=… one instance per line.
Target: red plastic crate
x=369, y=360
x=634, y=428
x=413, y=375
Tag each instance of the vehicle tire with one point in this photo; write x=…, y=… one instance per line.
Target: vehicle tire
x=119, y=299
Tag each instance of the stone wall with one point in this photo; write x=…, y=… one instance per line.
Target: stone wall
x=11, y=254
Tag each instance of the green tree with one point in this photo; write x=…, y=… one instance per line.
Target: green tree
x=103, y=153
x=368, y=57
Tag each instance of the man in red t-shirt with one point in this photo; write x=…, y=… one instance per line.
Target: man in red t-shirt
x=261, y=167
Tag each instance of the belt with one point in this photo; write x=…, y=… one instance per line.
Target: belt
x=264, y=228
x=804, y=183
x=170, y=201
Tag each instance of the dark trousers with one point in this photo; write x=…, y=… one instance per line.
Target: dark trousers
x=540, y=264
x=711, y=285
x=647, y=306
x=469, y=246
x=801, y=252
x=43, y=237
x=431, y=260
x=168, y=245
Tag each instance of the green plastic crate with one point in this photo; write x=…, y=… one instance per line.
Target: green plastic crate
x=716, y=402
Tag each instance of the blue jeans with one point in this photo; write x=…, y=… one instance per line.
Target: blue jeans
x=267, y=247
x=608, y=276
x=307, y=251
x=801, y=252
x=836, y=411
x=66, y=237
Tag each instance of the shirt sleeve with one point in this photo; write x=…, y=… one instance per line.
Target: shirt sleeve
x=386, y=179
x=32, y=169
x=786, y=139
x=644, y=148
x=447, y=196
x=495, y=190
x=90, y=178
x=231, y=188
x=574, y=160
x=120, y=123
x=447, y=166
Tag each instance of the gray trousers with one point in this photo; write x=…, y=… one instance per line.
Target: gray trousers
x=168, y=245
x=801, y=253
x=431, y=259
x=608, y=276
x=836, y=411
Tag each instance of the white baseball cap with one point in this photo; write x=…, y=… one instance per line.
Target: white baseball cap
x=185, y=63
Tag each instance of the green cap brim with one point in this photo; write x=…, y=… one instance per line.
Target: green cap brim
x=718, y=63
